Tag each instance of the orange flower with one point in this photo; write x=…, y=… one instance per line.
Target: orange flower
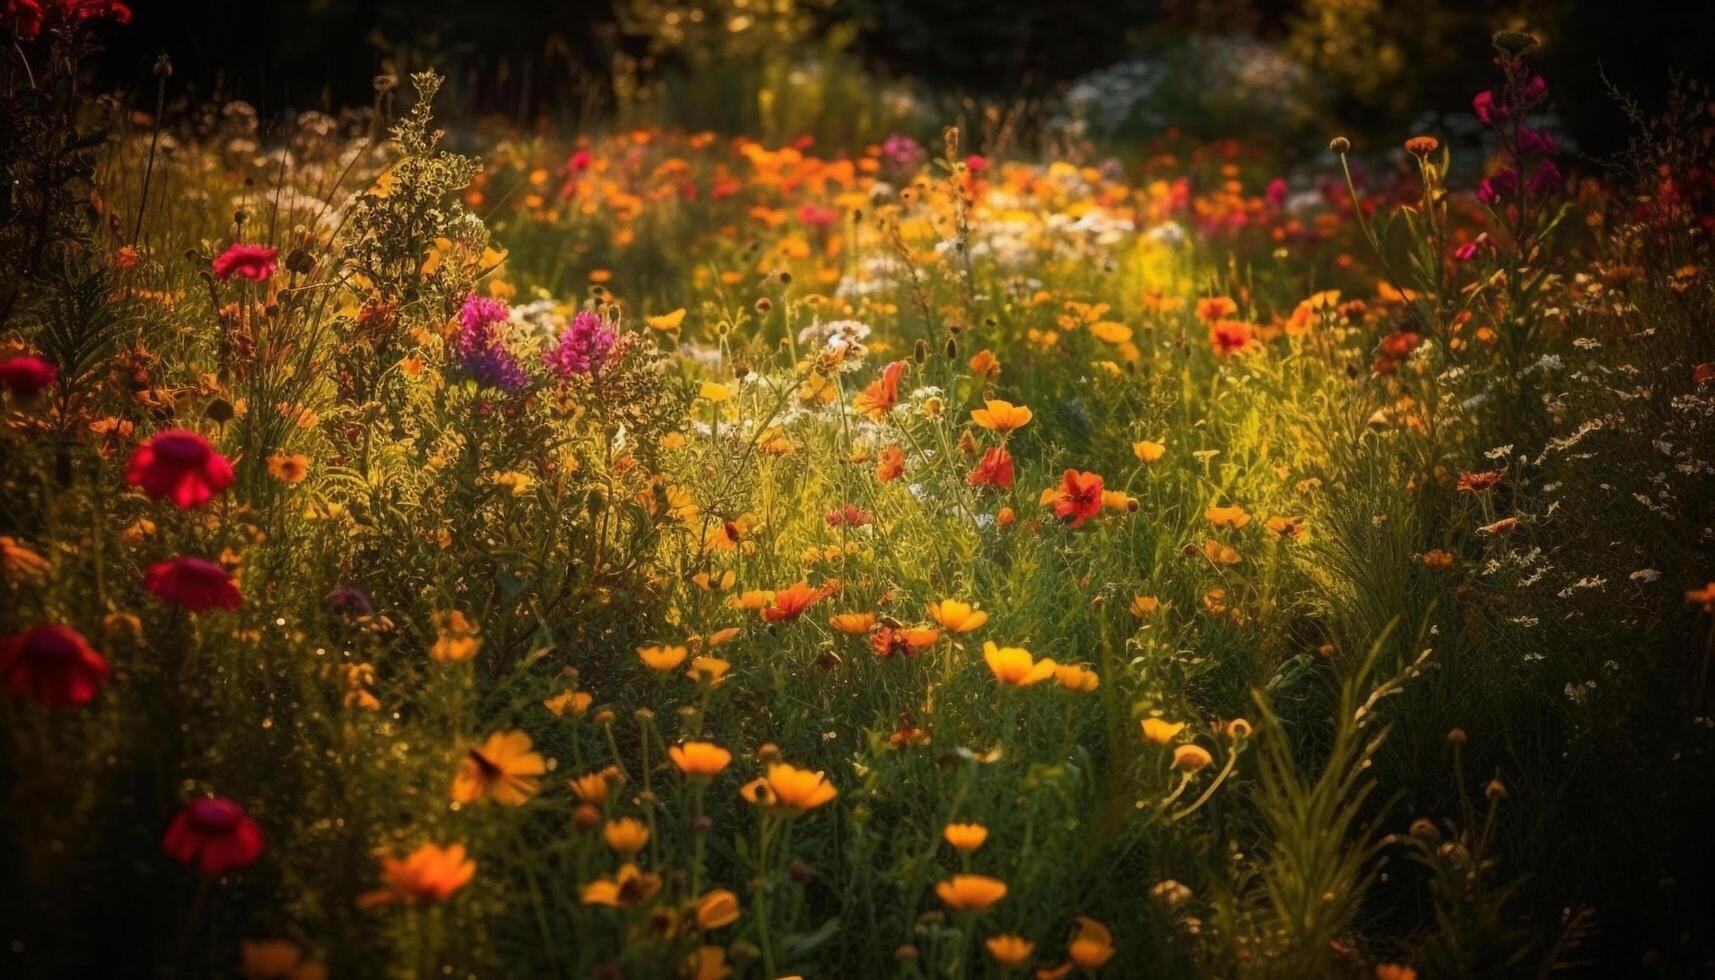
x=1092, y=945
x=289, y=468
x=1014, y=666
x=1229, y=337
x=1212, y=308
x=790, y=602
x=1144, y=605
x=1002, y=417
x=1078, y=678
x=455, y=637
x=985, y=365
x=430, y=874
x=1161, y=731
x=661, y=657
x=1079, y=497
x=577, y=702
x=965, y=836
x=627, y=835
x=853, y=623
x=790, y=789
x=882, y=394
x=1009, y=950
x=1191, y=758
x=1422, y=146
x=1704, y=597
x=630, y=887
x=970, y=893
x=503, y=768
x=699, y=759
x=891, y=465
x=1234, y=517
x=1148, y=452
x=1291, y=528
x=993, y=470
x=1438, y=559
x=277, y=959
x=708, y=670
x=716, y=909
x=957, y=617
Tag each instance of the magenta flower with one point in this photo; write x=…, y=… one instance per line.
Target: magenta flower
x=253, y=262
x=583, y=348
x=478, y=349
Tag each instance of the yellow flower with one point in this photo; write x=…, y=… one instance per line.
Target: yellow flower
x=1014, y=667
x=662, y=657
x=1287, y=527
x=716, y=909
x=1161, y=732
x=1145, y=605
x=666, y=322
x=965, y=836
x=1110, y=332
x=455, y=637
x=699, y=759
x=957, y=617
x=715, y=392
x=788, y=788
x=1000, y=416
x=1076, y=677
x=628, y=888
x=592, y=787
x=1009, y=950
x=1092, y=945
x=970, y=893
x=1234, y=517
x=503, y=768
x=626, y=836
x=1148, y=452
x=1191, y=758
x=289, y=468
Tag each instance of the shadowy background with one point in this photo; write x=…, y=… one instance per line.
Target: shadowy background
x=1371, y=64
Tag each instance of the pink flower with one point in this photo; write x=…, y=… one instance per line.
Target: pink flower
x=215, y=834
x=1545, y=179
x=1487, y=109
x=180, y=465
x=253, y=262
x=1493, y=190
x=27, y=376
x=583, y=348
x=1275, y=194
x=195, y=584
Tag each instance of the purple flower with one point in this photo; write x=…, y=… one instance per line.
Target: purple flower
x=583, y=348
x=1536, y=143
x=478, y=350
x=903, y=151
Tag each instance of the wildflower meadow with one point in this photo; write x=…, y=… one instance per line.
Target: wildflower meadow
x=838, y=538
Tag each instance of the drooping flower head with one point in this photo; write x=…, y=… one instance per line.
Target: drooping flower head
x=478, y=350
x=195, y=584
x=54, y=665
x=215, y=834
x=253, y=262
x=181, y=466
x=584, y=346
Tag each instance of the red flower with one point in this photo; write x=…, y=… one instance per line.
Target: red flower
x=882, y=394
x=253, y=262
x=1079, y=497
x=197, y=584
x=993, y=470
x=215, y=834
x=181, y=465
x=1478, y=482
x=26, y=376
x=52, y=664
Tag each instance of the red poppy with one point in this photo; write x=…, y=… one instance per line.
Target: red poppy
x=215, y=834
x=1230, y=337
x=197, y=584
x=993, y=470
x=26, y=376
x=253, y=262
x=1079, y=497
x=181, y=465
x=52, y=664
